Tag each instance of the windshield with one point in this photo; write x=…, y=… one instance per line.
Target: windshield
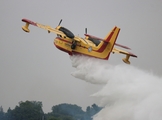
x=67, y=32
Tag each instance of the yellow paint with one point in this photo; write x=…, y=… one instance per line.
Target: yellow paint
x=84, y=46
x=25, y=28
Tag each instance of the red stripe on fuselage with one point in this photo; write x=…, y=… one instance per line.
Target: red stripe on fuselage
x=62, y=49
x=114, y=43
x=77, y=53
x=109, y=37
x=101, y=49
x=74, y=52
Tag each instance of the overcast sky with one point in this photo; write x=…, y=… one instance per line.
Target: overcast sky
x=31, y=68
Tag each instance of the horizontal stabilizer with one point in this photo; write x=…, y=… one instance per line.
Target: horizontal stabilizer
x=122, y=46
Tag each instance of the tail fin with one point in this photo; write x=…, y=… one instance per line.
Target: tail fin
x=110, y=39
x=112, y=36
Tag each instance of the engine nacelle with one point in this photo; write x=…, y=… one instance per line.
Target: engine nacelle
x=25, y=28
x=126, y=59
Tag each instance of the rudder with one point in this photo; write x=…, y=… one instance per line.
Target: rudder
x=112, y=36
x=110, y=39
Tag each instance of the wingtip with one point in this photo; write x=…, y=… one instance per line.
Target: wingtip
x=133, y=55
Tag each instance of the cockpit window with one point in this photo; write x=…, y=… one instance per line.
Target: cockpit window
x=67, y=32
x=95, y=41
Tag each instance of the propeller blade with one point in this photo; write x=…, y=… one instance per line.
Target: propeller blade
x=85, y=30
x=60, y=22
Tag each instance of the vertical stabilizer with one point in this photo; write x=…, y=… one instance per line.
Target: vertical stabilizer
x=112, y=36
x=110, y=39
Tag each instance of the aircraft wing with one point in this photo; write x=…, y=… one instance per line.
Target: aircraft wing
x=103, y=39
x=122, y=46
x=93, y=37
x=128, y=54
x=115, y=50
x=46, y=27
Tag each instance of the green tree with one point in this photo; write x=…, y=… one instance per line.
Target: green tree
x=66, y=112
x=2, y=114
x=53, y=118
x=8, y=114
x=90, y=111
x=29, y=110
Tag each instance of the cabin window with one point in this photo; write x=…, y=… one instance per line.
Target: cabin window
x=95, y=41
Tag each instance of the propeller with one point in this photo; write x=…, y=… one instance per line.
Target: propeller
x=60, y=22
x=85, y=30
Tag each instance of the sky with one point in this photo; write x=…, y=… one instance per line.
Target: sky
x=31, y=68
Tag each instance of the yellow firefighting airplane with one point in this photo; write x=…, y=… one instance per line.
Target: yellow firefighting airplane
x=90, y=45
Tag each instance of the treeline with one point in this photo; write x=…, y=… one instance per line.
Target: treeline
x=32, y=110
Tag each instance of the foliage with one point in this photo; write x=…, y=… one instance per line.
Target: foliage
x=29, y=110
x=91, y=111
x=32, y=110
x=2, y=114
x=73, y=112
x=68, y=111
